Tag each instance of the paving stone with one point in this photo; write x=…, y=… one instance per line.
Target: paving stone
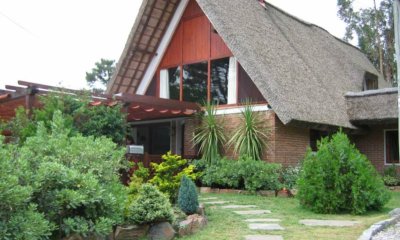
x=238, y=206
x=216, y=202
x=252, y=212
x=328, y=223
x=208, y=198
x=265, y=226
x=263, y=237
x=258, y=220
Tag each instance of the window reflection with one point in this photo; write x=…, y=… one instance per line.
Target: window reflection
x=195, y=82
x=219, y=81
x=174, y=82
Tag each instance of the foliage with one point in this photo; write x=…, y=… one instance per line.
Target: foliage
x=289, y=176
x=101, y=74
x=390, y=176
x=150, y=206
x=187, y=197
x=338, y=178
x=74, y=179
x=142, y=172
x=374, y=28
x=209, y=135
x=78, y=116
x=19, y=218
x=102, y=121
x=251, y=137
x=244, y=173
x=168, y=174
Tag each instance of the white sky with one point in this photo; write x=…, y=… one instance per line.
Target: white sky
x=56, y=41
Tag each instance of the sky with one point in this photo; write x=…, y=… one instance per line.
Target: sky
x=55, y=42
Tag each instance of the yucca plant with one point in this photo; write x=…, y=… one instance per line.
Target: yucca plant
x=251, y=137
x=209, y=135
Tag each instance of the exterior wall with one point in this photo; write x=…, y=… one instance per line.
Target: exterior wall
x=189, y=150
x=286, y=145
x=372, y=145
x=291, y=143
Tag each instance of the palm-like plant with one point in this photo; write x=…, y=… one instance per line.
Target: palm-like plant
x=252, y=135
x=209, y=135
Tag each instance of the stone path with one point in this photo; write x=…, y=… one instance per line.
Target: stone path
x=265, y=226
x=263, y=237
x=328, y=223
x=238, y=206
x=252, y=212
x=216, y=202
x=208, y=198
x=260, y=220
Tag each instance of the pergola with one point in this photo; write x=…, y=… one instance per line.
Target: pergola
x=138, y=107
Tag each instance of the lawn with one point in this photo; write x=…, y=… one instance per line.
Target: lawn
x=224, y=224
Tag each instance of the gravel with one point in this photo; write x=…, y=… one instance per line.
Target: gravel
x=391, y=233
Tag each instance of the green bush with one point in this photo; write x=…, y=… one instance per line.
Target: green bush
x=338, y=178
x=243, y=173
x=73, y=180
x=390, y=181
x=168, y=174
x=150, y=206
x=187, y=197
x=289, y=176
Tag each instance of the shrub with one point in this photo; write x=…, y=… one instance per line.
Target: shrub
x=244, y=173
x=209, y=136
x=390, y=181
x=338, y=178
x=289, y=176
x=73, y=181
x=251, y=137
x=168, y=174
x=150, y=206
x=187, y=197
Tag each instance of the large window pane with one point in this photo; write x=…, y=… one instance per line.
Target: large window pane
x=219, y=81
x=392, y=147
x=174, y=82
x=195, y=82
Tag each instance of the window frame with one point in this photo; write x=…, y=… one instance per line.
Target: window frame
x=384, y=147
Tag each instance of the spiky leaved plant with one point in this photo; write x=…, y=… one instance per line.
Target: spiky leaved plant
x=209, y=135
x=251, y=137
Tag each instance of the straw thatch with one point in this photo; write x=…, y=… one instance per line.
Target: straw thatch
x=373, y=107
x=302, y=70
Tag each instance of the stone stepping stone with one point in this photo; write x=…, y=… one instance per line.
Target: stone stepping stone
x=252, y=212
x=263, y=237
x=328, y=223
x=238, y=206
x=208, y=198
x=259, y=220
x=216, y=202
x=265, y=226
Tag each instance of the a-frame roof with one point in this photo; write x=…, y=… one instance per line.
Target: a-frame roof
x=302, y=70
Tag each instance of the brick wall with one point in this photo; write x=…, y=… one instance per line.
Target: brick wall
x=371, y=144
x=189, y=150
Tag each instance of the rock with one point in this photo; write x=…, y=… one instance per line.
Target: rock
x=131, y=232
x=201, y=210
x=266, y=193
x=265, y=226
x=161, y=231
x=73, y=237
x=205, y=189
x=192, y=224
x=395, y=212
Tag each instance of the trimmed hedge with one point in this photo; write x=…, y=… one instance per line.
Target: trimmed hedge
x=338, y=178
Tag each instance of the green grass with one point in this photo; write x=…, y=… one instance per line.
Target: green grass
x=224, y=224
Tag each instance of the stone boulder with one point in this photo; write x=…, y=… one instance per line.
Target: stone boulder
x=192, y=224
x=201, y=210
x=161, y=231
x=130, y=232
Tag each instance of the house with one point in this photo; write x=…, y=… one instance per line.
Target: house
x=305, y=82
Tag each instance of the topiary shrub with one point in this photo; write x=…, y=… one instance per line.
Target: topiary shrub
x=168, y=174
x=187, y=197
x=338, y=178
x=150, y=206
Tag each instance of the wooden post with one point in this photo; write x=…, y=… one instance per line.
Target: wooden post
x=396, y=12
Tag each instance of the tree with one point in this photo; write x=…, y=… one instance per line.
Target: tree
x=374, y=28
x=101, y=74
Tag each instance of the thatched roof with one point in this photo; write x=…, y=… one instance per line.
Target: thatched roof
x=302, y=70
x=373, y=107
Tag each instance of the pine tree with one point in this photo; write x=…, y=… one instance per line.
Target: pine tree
x=187, y=198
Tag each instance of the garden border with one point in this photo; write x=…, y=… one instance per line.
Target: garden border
x=379, y=226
